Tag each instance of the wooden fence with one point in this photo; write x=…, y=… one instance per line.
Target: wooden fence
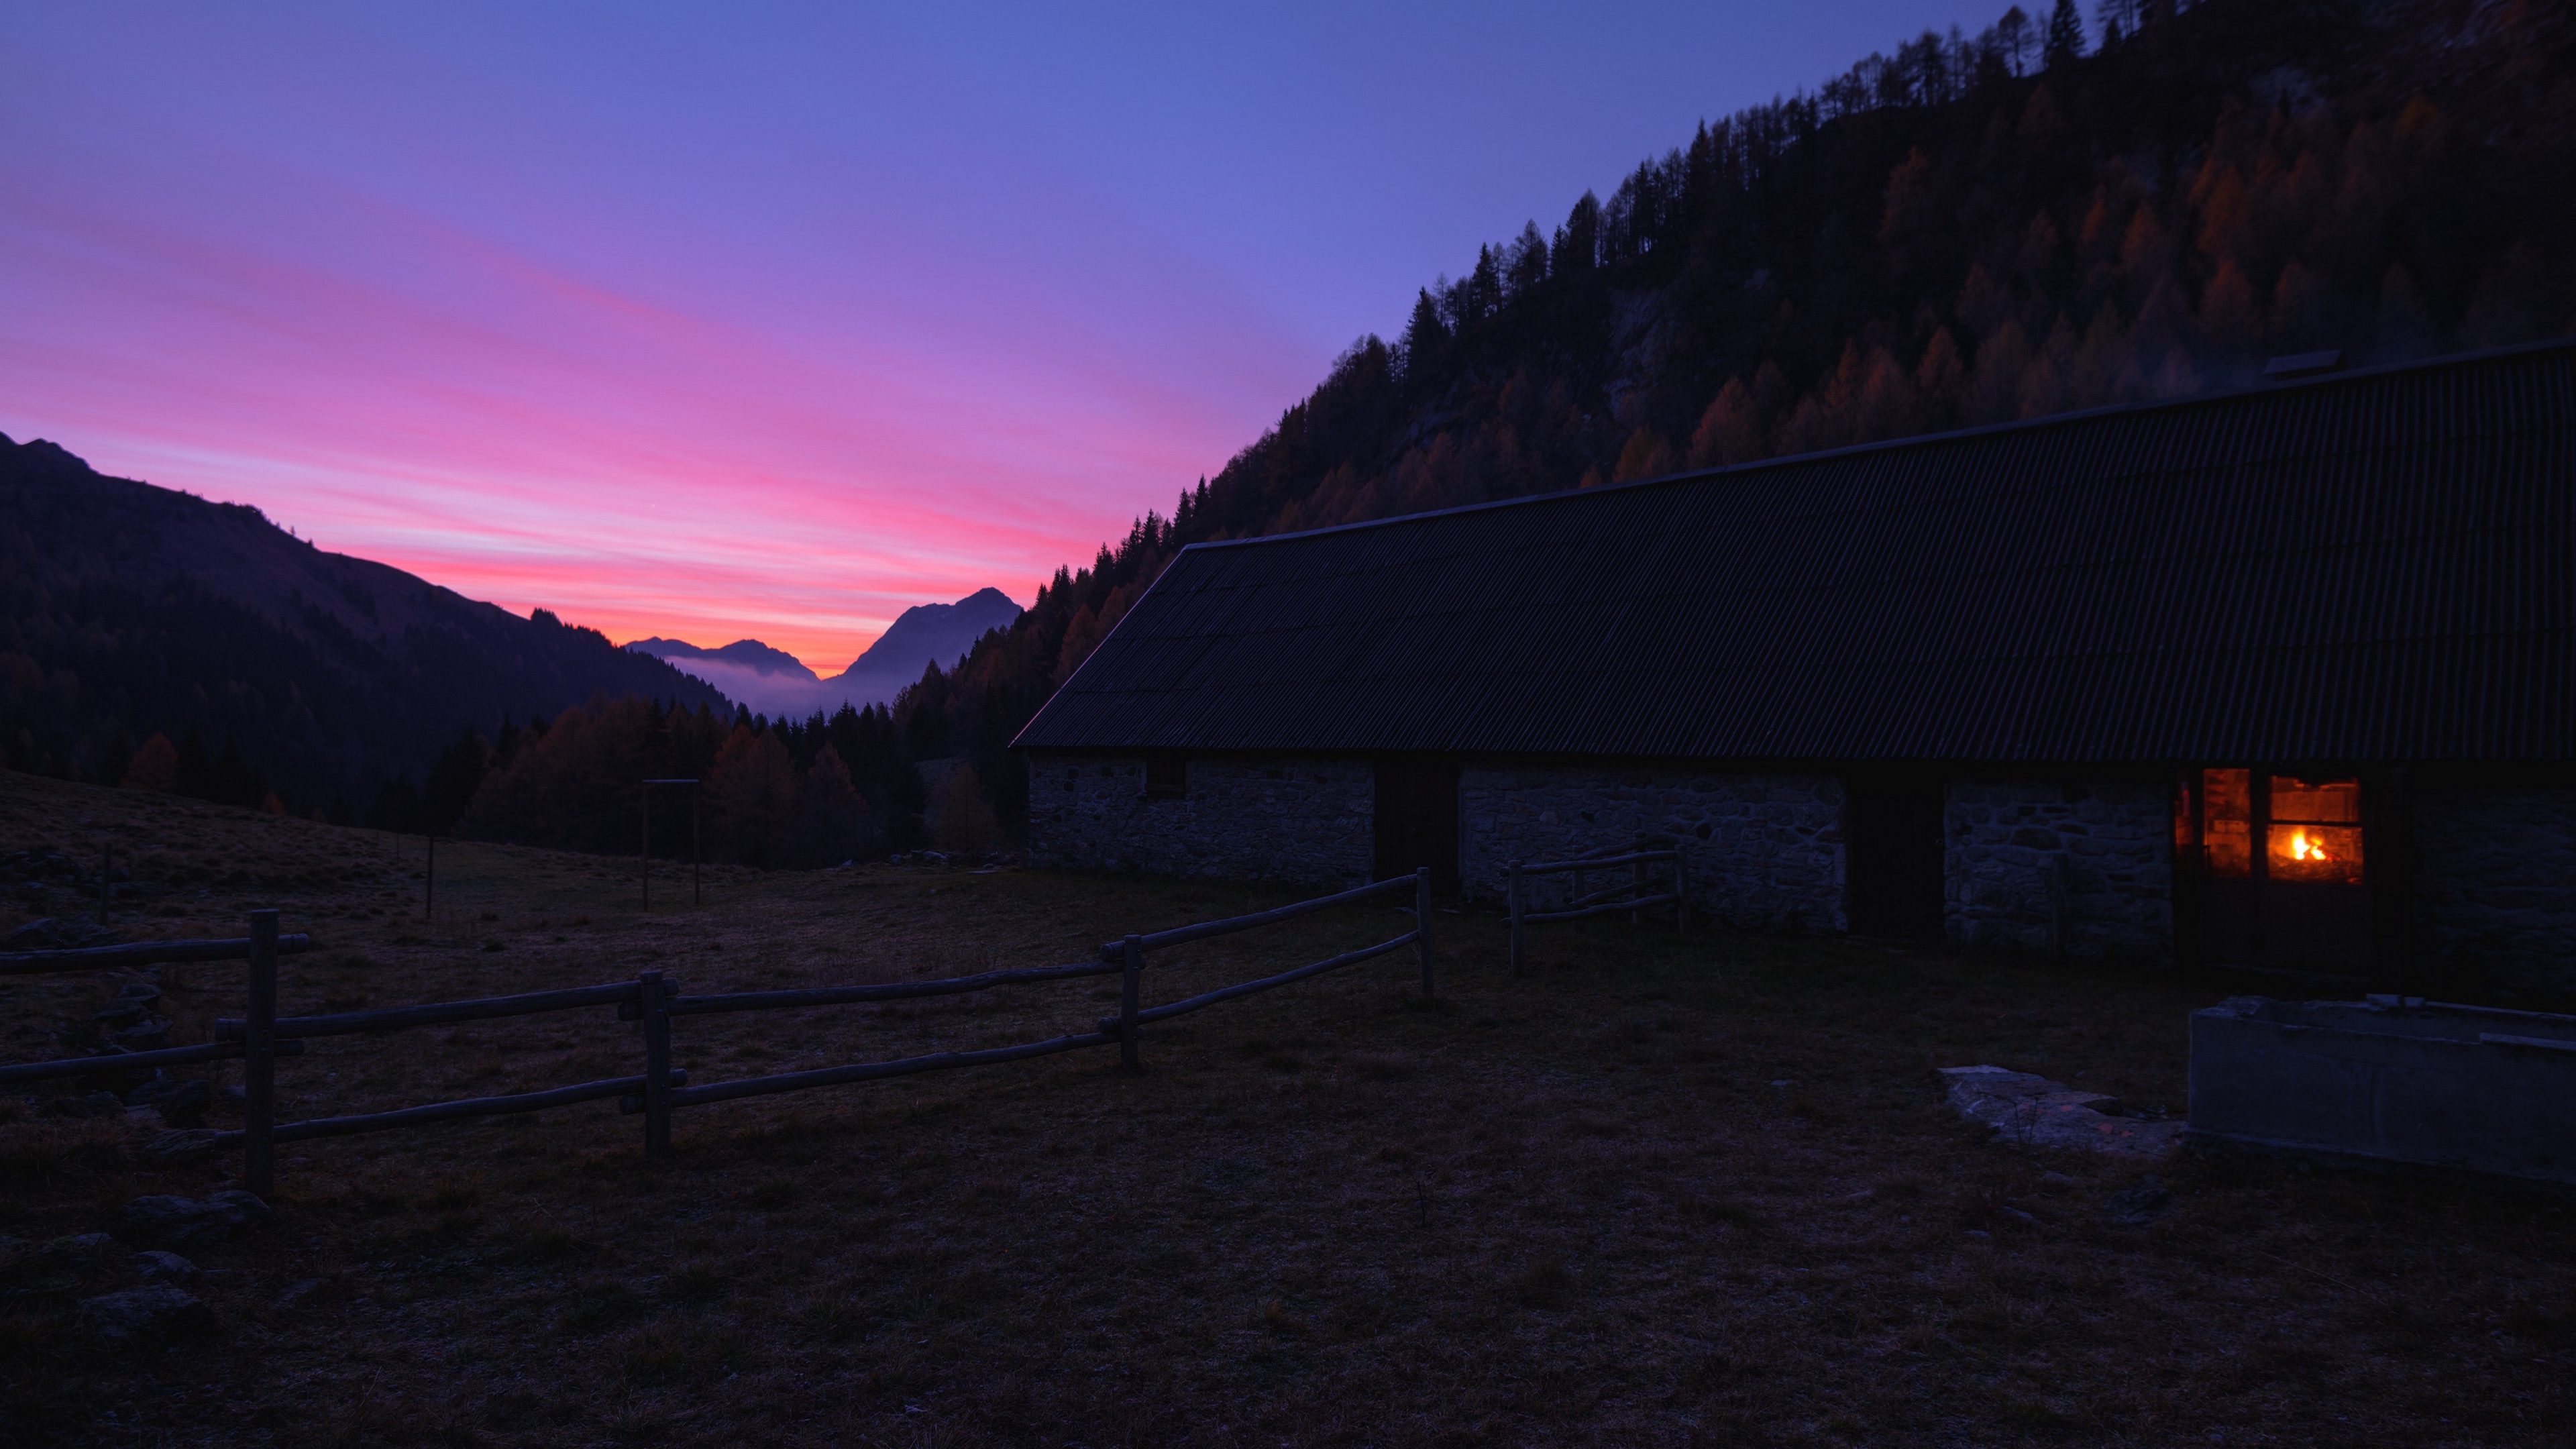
x=1630, y=893
x=261, y=949
x=261, y=1036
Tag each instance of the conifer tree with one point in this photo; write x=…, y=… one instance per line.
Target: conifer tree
x=2065, y=35
x=2013, y=37
x=155, y=765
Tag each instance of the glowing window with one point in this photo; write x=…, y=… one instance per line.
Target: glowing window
x=2227, y=807
x=2315, y=833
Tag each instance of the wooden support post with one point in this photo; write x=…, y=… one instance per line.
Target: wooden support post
x=2057, y=923
x=1681, y=890
x=1132, y=957
x=106, y=873
x=1422, y=928
x=655, y=1007
x=259, y=1060
x=1512, y=900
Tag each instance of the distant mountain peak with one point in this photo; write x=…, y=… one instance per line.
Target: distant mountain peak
x=935, y=633
x=751, y=654
x=774, y=683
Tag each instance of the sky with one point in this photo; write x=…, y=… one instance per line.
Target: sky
x=771, y=320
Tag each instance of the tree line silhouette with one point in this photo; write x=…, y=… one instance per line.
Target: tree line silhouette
x=1971, y=230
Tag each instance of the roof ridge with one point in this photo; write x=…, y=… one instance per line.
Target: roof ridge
x=1918, y=440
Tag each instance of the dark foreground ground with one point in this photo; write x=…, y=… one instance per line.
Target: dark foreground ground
x=1660, y=1191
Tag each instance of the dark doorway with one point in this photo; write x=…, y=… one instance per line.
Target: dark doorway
x=1417, y=819
x=1892, y=857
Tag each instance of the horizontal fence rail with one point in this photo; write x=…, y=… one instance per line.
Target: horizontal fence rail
x=874, y=1071
x=444, y=1111
x=138, y=953
x=395, y=1018
x=1114, y=1025
x=261, y=1036
x=1556, y=867
x=1631, y=895
x=216, y=1051
x=883, y=991
x=1159, y=940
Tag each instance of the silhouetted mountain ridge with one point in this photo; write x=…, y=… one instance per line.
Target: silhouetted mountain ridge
x=751, y=654
x=778, y=685
x=128, y=609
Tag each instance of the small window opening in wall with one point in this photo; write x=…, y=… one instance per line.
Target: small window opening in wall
x=1167, y=777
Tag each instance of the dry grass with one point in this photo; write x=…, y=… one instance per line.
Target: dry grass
x=1657, y=1192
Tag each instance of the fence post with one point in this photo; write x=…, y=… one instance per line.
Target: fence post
x=259, y=1061
x=656, y=1013
x=1512, y=900
x=2056, y=880
x=1132, y=956
x=1681, y=891
x=1422, y=927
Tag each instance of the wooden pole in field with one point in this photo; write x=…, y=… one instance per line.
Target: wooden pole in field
x=1512, y=902
x=259, y=1064
x=1422, y=927
x=1132, y=957
x=656, y=1011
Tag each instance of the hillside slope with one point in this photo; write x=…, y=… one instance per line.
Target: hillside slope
x=1970, y=230
x=127, y=610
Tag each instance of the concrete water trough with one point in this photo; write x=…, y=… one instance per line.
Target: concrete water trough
x=2389, y=1083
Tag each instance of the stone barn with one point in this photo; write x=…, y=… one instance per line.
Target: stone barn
x=2282, y=679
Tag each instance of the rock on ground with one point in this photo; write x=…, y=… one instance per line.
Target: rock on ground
x=2030, y=1109
x=179, y=1221
x=159, y=1264
x=144, y=1315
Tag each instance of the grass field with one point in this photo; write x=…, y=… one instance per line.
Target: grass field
x=1660, y=1191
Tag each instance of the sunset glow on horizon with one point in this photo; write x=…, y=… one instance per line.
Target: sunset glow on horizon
x=767, y=323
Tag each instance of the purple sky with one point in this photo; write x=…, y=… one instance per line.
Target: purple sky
x=773, y=320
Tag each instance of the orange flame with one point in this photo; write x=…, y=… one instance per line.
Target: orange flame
x=2302, y=848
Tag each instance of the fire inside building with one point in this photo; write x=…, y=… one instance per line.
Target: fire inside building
x=2282, y=679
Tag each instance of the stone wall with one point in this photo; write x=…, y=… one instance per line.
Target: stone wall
x=2006, y=839
x=2495, y=889
x=1766, y=851
x=1305, y=821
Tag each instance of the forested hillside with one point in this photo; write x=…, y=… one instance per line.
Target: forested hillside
x=2043, y=217
x=151, y=636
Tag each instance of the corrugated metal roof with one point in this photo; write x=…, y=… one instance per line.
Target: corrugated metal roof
x=2378, y=565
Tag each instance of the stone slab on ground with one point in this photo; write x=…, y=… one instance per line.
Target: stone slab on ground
x=177, y=1221
x=145, y=1315
x=2023, y=1107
